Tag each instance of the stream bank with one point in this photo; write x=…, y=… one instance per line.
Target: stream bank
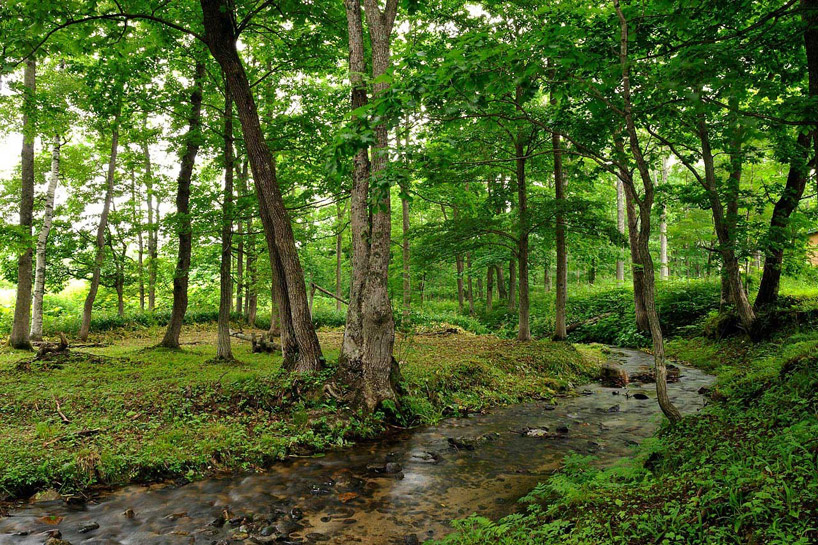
x=404, y=489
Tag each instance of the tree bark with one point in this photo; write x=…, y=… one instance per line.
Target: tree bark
x=663, y=268
x=489, y=287
x=643, y=239
x=223, y=349
x=637, y=272
x=407, y=279
x=620, y=225
x=366, y=359
x=221, y=36
x=523, y=311
x=153, y=229
x=181, y=276
x=240, y=251
x=561, y=299
x=99, y=258
x=136, y=222
x=501, y=283
x=469, y=284
x=339, y=257
x=22, y=307
x=42, y=243
x=512, y=284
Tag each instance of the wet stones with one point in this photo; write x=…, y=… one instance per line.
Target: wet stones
x=613, y=376
x=640, y=396
x=647, y=374
x=88, y=527
x=471, y=443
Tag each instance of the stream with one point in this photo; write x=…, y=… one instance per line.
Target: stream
x=402, y=490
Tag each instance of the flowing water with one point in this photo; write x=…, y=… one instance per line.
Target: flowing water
x=403, y=489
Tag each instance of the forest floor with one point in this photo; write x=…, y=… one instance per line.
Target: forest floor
x=743, y=470
x=125, y=411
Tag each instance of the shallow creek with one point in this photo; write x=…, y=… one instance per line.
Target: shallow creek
x=353, y=496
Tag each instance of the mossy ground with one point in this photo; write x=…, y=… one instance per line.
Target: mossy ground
x=138, y=413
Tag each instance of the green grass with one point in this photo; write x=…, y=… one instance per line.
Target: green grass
x=743, y=471
x=141, y=414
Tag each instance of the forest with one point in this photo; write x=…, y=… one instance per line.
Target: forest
x=398, y=272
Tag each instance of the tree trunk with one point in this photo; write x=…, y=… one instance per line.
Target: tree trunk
x=643, y=239
x=153, y=229
x=223, y=349
x=547, y=278
x=220, y=33
x=252, y=283
x=620, y=225
x=796, y=178
x=458, y=260
x=489, y=287
x=512, y=284
x=637, y=273
x=339, y=239
x=502, y=292
x=407, y=279
x=561, y=299
x=524, y=325
x=140, y=248
x=240, y=250
x=469, y=290
x=42, y=243
x=22, y=307
x=99, y=258
x=725, y=237
x=366, y=360
x=180, y=277
x=663, y=269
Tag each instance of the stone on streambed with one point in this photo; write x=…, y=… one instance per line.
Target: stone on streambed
x=88, y=527
x=613, y=376
x=470, y=443
x=647, y=374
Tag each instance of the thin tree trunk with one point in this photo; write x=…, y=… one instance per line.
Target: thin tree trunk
x=524, y=325
x=21, y=325
x=407, y=279
x=137, y=224
x=489, y=287
x=637, y=272
x=561, y=299
x=501, y=283
x=153, y=229
x=181, y=276
x=224, y=350
x=469, y=290
x=663, y=268
x=99, y=258
x=339, y=258
x=645, y=205
x=547, y=277
x=42, y=243
x=458, y=260
x=512, y=284
x=240, y=250
x=620, y=224
x=220, y=33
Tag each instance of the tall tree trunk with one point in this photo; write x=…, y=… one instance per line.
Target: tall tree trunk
x=561, y=299
x=407, y=279
x=223, y=349
x=489, y=287
x=339, y=239
x=637, y=271
x=663, y=268
x=22, y=307
x=221, y=35
x=469, y=290
x=547, y=277
x=367, y=351
x=620, y=225
x=42, y=243
x=458, y=260
x=512, y=284
x=183, y=225
x=240, y=249
x=502, y=292
x=99, y=258
x=153, y=229
x=726, y=239
x=252, y=278
x=643, y=240
x=797, y=176
x=136, y=221
x=524, y=325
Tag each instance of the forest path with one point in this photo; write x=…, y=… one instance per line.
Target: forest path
x=403, y=489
